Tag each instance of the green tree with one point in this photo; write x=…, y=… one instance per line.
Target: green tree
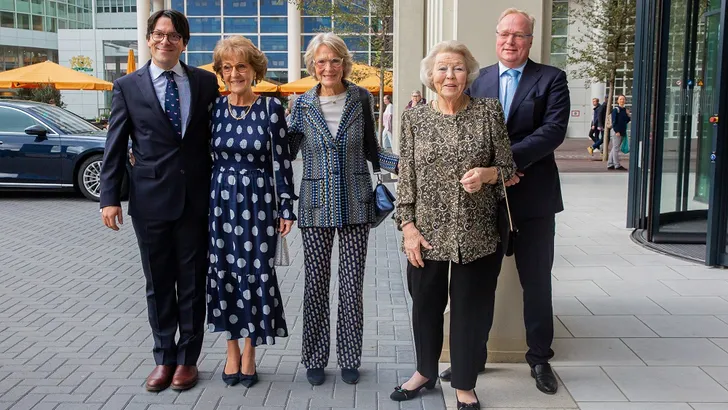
x=45, y=94
x=351, y=18
x=604, y=45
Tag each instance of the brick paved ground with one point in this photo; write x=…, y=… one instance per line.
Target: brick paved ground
x=74, y=331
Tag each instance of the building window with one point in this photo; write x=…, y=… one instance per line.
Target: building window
x=198, y=59
x=274, y=43
x=241, y=25
x=202, y=43
x=273, y=8
x=23, y=21
x=277, y=60
x=273, y=24
x=178, y=5
x=203, y=8
x=559, y=32
x=7, y=5
x=239, y=8
x=316, y=24
x=7, y=20
x=38, y=23
x=204, y=24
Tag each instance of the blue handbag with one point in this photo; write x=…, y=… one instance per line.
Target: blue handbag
x=383, y=202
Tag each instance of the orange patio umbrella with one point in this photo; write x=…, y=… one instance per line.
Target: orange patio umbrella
x=261, y=87
x=50, y=73
x=371, y=83
x=298, y=86
x=130, y=62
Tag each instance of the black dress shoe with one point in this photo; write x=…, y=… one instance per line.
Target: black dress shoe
x=316, y=376
x=461, y=406
x=545, y=378
x=446, y=374
x=400, y=394
x=350, y=376
x=230, y=379
x=248, y=380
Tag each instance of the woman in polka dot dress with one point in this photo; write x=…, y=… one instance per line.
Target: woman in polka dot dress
x=243, y=299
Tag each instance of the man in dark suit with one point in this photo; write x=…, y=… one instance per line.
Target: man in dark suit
x=163, y=107
x=536, y=103
x=594, y=130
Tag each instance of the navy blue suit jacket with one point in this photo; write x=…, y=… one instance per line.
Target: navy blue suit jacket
x=537, y=122
x=169, y=172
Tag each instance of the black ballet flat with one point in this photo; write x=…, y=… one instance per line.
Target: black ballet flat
x=461, y=406
x=248, y=380
x=400, y=394
x=230, y=379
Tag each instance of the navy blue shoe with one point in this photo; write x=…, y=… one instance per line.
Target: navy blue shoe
x=350, y=376
x=230, y=379
x=316, y=376
x=248, y=380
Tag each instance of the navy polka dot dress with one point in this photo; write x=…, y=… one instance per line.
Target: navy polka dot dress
x=243, y=299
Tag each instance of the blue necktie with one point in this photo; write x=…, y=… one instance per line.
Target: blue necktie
x=172, y=104
x=511, y=85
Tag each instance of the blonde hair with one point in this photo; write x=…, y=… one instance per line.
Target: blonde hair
x=449, y=46
x=241, y=47
x=335, y=44
x=513, y=10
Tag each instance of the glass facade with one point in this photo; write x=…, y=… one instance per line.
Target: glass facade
x=46, y=15
x=13, y=57
x=559, y=32
x=265, y=23
x=680, y=92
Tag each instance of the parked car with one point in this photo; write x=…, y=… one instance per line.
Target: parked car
x=44, y=147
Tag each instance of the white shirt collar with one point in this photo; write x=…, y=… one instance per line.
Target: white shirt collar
x=156, y=71
x=502, y=69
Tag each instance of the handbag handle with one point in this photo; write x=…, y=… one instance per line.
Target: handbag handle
x=505, y=195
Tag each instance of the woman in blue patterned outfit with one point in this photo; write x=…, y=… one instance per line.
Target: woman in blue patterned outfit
x=243, y=299
x=336, y=196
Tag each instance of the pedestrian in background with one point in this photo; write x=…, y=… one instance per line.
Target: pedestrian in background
x=621, y=116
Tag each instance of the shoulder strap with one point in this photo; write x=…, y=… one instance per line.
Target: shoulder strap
x=371, y=148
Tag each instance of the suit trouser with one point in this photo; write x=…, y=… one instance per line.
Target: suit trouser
x=472, y=297
x=317, y=246
x=594, y=135
x=534, y=253
x=174, y=260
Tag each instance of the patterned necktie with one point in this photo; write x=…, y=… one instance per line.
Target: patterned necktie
x=511, y=85
x=172, y=104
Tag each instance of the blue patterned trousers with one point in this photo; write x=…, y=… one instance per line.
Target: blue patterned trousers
x=317, y=247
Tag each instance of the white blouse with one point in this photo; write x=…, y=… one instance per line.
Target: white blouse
x=333, y=108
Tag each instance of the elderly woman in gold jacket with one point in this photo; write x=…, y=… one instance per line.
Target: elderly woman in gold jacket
x=453, y=153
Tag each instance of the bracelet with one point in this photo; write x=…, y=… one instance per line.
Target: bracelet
x=405, y=224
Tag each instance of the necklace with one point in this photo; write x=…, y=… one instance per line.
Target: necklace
x=332, y=101
x=232, y=113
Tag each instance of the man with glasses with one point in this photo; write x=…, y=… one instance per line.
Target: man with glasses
x=535, y=98
x=416, y=100
x=163, y=107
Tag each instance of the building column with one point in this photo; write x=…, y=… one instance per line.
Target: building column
x=294, y=42
x=143, y=13
x=158, y=5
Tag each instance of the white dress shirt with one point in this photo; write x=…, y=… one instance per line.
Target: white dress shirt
x=183, y=87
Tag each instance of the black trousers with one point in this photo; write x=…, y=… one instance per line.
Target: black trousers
x=472, y=296
x=174, y=259
x=594, y=134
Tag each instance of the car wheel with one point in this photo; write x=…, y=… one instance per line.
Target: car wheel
x=89, y=177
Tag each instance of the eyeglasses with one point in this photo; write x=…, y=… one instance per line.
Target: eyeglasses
x=241, y=68
x=173, y=38
x=504, y=35
x=335, y=62
x=416, y=96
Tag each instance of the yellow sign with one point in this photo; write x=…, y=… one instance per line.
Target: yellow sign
x=82, y=63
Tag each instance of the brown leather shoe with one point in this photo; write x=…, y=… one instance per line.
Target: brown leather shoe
x=160, y=378
x=185, y=377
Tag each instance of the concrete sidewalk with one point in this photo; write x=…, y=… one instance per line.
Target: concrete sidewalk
x=634, y=330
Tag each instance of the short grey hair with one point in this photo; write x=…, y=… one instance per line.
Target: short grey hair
x=417, y=92
x=449, y=46
x=513, y=10
x=336, y=45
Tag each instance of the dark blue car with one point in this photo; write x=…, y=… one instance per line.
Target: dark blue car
x=46, y=147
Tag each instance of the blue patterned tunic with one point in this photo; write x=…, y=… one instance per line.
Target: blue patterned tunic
x=243, y=298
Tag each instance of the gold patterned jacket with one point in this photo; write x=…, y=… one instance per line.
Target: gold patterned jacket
x=436, y=150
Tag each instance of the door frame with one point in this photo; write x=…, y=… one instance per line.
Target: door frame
x=716, y=253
